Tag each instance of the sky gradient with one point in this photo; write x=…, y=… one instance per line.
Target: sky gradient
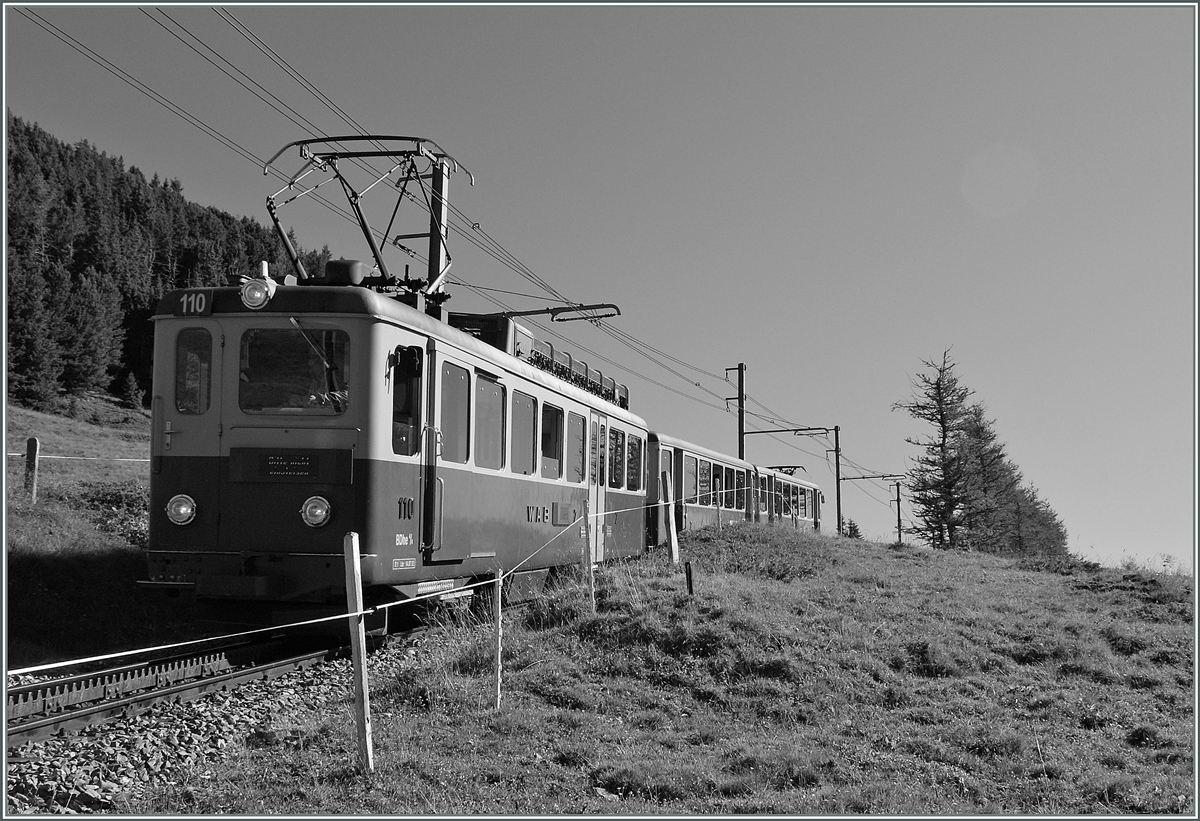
x=830, y=195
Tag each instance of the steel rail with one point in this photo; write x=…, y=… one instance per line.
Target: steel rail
x=210, y=675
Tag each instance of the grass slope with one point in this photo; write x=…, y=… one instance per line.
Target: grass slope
x=805, y=676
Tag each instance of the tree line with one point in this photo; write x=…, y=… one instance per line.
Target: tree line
x=966, y=492
x=91, y=247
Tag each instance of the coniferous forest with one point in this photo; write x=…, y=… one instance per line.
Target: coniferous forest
x=91, y=246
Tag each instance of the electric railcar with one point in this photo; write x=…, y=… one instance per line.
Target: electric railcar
x=286, y=415
x=279, y=427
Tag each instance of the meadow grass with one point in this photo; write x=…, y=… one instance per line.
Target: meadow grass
x=806, y=675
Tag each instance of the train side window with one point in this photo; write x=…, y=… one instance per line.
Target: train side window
x=193, y=370
x=778, y=498
x=456, y=413
x=739, y=478
x=552, y=442
x=406, y=401
x=762, y=493
x=665, y=465
x=595, y=451
x=633, y=476
x=603, y=448
x=787, y=499
x=489, y=422
x=689, y=480
x=705, y=482
x=727, y=489
x=576, y=427
x=616, y=458
x=524, y=434
x=804, y=503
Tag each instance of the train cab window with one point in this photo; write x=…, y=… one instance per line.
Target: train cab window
x=489, y=422
x=406, y=401
x=456, y=413
x=633, y=474
x=294, y=371
x=739, y=479
x=616, y=458
x=524, y=434
x=705, y=496
x=552, y=442
x=193, y=370
x=689, y=480
x=576, y=434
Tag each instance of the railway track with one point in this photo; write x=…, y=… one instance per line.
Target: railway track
x=70, y=703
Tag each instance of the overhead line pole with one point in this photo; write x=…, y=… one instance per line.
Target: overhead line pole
x=743, y=433
x=873, y=476
x=899, y=536
x=741, y=400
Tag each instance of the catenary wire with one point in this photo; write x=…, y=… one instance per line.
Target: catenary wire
x=492, y=246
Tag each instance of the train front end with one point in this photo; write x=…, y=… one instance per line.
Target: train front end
x=257, y=428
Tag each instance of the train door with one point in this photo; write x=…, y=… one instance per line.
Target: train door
x=185, y=444
x=445, y=480
x=666, y=467
x=188, y=413
x=598, y=438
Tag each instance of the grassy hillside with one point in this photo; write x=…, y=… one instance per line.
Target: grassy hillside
x=806, y=675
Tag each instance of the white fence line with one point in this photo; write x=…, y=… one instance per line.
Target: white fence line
x=365, y=612
x=96, y=458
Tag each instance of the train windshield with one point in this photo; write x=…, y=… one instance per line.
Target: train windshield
x=294, y=371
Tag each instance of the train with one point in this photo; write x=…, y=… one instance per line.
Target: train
x=290, y=411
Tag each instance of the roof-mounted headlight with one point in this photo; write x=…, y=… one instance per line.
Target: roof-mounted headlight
x=256, y=293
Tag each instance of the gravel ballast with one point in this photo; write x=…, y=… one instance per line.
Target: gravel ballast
x=102, y=767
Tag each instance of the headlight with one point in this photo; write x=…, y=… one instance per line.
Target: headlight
x=181, y=509
x=316, y=511
x=257, y=292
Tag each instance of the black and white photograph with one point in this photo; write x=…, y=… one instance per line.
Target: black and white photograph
x=609, y=409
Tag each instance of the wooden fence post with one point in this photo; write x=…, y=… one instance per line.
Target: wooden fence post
x=499, y=630
x=32, y=448
x=672, y=536
x=358, y=647
x=587, y=554
x=717, y=500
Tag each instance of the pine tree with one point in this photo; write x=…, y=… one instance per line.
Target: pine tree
x=992, y=482
x=938, y=485
x=966, y=492
x=852, y=530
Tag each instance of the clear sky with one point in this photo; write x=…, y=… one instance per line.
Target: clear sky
x=828, y=194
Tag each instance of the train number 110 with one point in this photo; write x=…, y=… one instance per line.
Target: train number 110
x=195, y=303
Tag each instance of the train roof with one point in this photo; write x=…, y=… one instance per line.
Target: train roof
x=349, y=301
